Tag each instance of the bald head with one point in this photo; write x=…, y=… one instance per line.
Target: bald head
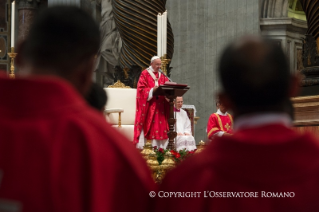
x=254, y=73
x=179, y=102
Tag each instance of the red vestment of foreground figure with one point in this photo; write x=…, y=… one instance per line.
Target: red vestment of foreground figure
x=151, y=116
x=271, y=160
x=59, y=154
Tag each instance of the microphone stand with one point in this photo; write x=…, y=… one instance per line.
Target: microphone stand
x=160, y=70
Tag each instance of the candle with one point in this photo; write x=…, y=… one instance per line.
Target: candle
x=163, y=41
x=159, y=35
x=165, y=33
x=12, y=23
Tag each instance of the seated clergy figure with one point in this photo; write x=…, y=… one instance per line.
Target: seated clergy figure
x=184, y=137
x=219, y=123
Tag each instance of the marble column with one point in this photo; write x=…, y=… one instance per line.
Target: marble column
x=26, y=12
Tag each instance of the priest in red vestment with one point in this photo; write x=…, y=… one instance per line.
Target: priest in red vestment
x=58, y=154
x=265, y=165
x=219, y=123
x=151, y=112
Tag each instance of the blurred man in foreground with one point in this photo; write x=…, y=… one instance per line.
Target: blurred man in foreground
x=96, y=97
x=56, y=152
x=264, y=165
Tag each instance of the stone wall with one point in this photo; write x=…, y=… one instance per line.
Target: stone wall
x=201, y=30
x=276, y=24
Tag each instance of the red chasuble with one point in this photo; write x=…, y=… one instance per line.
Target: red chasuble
x=266, y=169
x=151, y=116
x=57, y=154
x=218, y=123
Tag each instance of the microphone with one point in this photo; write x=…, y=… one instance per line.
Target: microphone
x=160, y=70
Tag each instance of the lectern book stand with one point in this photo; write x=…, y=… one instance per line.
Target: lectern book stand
x=171, y=90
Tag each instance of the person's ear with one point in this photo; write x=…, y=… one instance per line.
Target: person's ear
x=294, y=87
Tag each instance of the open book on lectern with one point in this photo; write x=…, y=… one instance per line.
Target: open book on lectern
x=174, y=84
x=171, y=89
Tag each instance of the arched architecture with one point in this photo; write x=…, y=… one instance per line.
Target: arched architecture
x=285, y=22
x=274, y=8
x=295, y=10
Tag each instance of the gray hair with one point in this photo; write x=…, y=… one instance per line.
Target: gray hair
x=155, y=58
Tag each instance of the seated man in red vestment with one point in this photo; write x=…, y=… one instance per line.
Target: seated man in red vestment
x=265, y=165
x=56, y=152
x=151, y=112
x=219, y=123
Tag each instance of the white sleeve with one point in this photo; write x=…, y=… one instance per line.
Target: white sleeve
x=219, y=133
x=150, y=95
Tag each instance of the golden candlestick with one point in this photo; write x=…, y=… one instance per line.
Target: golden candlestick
x=147, y=149
x=200, y=146
x=196, y=119
x=164, y=63
x=153, y=165
x=167, y=164
x=12, y=55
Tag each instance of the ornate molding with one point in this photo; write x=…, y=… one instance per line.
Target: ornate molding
x=311, y=71
x=305, y=99
x=311, y=76
x=306, y=110
x=309, y=53
x=309, y=6
x=309, y=82
x=129, y=76
x=274, y=8
x=118, y=84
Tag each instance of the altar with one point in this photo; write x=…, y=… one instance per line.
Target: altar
x=306, y=114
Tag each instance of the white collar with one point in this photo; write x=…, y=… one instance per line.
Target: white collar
x=256, y=120
x=220, y=113
x=151, y=68
x=151, y=72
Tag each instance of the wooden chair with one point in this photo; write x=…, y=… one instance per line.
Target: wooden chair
x=191, y=112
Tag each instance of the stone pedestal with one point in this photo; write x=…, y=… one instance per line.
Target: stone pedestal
x=306, y=112
x=289, y=33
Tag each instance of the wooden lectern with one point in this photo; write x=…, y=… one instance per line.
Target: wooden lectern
x=171, y=90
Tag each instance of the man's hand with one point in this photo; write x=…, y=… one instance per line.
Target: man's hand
x=155, y=88
x=180, y=134
x=167, y=99
x=187, y=133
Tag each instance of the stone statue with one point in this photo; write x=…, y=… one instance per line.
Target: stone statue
x=111, y=44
